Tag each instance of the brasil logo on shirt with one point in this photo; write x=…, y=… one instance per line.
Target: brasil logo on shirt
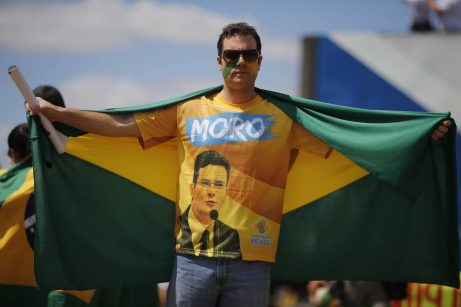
x=261, y=239
x=228, y=128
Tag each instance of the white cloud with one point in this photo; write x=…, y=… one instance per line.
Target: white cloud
x=285, y=49
x=96, y=92
x=95, y=26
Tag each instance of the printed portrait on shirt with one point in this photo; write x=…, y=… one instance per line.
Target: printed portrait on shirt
x=201, y=229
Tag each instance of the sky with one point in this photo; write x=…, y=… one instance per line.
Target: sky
x=114, y=53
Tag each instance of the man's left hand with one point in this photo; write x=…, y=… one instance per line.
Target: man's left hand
x=441, y=130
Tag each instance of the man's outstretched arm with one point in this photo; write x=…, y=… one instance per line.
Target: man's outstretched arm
x=89, y=121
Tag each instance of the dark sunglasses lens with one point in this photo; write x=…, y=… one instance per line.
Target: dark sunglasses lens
x=231, y=55
x=250, y=55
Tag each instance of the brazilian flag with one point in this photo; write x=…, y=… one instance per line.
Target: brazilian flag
x=382, y=207
x=17, y=222
x=18, y=286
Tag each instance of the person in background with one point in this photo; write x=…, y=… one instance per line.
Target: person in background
x=350, y=293
x=19, y=144
x=420, y=15
x=448, y=13
x=51, y=94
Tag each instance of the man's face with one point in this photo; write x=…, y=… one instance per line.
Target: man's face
x=239, y=74
x=209, y=192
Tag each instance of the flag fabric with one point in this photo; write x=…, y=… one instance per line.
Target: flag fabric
x=17, y=216
x=381, y=207
x=123, y=296
x=17, y=279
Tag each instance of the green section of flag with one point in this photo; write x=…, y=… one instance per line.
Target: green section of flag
x=126, y=296
x=399, y=223
x=392, y=145
x=96, y=229
x=139, y=296
x=22, y=296
x=11, y=180
x=366, y=231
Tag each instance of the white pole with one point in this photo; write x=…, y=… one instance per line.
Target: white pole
x=58, y=139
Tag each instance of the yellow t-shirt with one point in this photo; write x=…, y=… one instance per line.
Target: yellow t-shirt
x=243, y=154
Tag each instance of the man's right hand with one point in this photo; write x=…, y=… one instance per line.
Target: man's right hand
x=42, y=106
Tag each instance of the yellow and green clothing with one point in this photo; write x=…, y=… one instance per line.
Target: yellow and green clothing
x=17, y=217
x=257, y=139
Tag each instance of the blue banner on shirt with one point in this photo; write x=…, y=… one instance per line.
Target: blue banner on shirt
x=228, y=128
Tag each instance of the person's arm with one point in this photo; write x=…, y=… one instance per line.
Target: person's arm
x=441, y=130
x=89, y=121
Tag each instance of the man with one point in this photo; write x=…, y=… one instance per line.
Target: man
x=256, y=137
x=201, y=230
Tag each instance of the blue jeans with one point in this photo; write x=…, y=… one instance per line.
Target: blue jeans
x=203, y=281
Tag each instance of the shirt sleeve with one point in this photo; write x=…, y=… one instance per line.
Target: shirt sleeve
x=157, y=126
x=303, y=139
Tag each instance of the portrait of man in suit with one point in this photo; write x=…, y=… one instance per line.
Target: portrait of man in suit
x=202, y=230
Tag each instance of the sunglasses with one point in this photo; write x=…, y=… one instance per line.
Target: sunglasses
x=249, y=55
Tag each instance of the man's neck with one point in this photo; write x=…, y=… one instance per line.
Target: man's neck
x=237, y=96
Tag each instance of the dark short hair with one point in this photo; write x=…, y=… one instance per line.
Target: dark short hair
x=208, y=157
x=19, y=141
x=240, y=28
x=50, y=94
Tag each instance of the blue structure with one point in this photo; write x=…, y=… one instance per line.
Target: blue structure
x=386, y=72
